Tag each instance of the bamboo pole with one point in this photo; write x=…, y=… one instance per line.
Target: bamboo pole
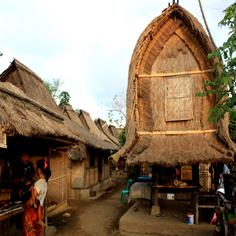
x=207, y=28
x=176, y=73
x=177, y=132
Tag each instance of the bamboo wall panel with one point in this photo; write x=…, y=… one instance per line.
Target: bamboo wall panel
x=92, y=176
x=78, y=175
x=57, y=185
x=87, y=178
x=96, y=176
x=106, y=172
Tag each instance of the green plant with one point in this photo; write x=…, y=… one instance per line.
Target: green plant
x=223, y=86
x=122, y=137
x=64, y=98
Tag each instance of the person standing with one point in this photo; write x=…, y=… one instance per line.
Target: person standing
x=22, y=170
x=32, y=220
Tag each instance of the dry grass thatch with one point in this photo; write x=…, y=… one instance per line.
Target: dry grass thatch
x=30, y=110
x=103, y=127
x=173, y=44
x=30, y=83
x=89, y=123
x=114, y=131
x=21, y=115
x=179, y=149
x=74, y=123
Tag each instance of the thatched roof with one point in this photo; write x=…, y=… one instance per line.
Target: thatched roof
x=29, y=82
x=103, y=127
x=21, y=115
x=91, y=126
x=114, y=131
x=181, y=149
x=179, y=25
x=74, y=123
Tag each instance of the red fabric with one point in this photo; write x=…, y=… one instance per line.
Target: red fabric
x=30, y=224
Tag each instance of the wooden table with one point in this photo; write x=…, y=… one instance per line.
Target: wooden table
x=158, y=190
x=9, y=214
x=174, y=189
x=5, y=216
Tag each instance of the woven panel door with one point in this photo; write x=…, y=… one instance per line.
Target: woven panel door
x=178, y=98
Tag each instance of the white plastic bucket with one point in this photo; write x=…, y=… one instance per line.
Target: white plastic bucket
x=190, y=219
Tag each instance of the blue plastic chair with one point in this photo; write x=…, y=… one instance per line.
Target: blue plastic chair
x=125, y=193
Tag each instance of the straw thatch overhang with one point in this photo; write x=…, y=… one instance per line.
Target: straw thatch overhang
x=95, y=139
x=173, y=45
x=30, y=83
x=21, y=115
x=103, y=127
x=179, y=149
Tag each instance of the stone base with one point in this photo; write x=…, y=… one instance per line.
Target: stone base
x=155, y=211
x=138, y=222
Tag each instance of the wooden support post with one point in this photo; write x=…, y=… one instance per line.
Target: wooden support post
x=155, y=208
x=196, y=207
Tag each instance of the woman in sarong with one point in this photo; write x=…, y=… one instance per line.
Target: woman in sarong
x=34, y=204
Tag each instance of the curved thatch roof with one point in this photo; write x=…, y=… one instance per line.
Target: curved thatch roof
x=166, y=150
x=21, y=115
x=74, y=123
x=29, y=82
x=103, y=127
x=176, y=23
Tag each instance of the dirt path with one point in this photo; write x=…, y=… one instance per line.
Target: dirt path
x=94, y=218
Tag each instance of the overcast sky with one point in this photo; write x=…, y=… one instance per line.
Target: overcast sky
x=87, y=44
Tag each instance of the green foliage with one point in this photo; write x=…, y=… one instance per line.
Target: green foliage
x=122, y=137
x=54, y=87
x=223, y=86
x=232, y=125
x=64, y=98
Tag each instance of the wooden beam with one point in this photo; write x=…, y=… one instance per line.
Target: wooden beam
x=177, y=132
x=176, y=73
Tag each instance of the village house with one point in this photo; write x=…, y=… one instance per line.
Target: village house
x=31, y=122
x=47, y=136
x=29, y=127
x=90, y=169
x=168, y=132
x=93, y=144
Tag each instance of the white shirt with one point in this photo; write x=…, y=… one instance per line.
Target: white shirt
x=41, y=186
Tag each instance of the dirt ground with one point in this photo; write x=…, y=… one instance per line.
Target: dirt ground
x=93, y=218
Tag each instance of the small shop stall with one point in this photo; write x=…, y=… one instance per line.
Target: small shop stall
x=8, y=208
x=194, y=185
